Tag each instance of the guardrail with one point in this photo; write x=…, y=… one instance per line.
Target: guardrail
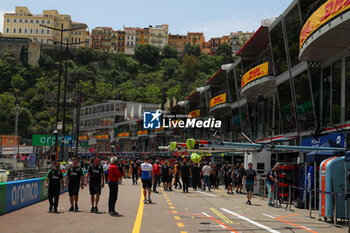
x=15, y=195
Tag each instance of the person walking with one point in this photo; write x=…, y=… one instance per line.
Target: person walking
x=196, y=173
x=54, y=180
x=185, y=174
x=147, y=177
x=224, y=169
x=75, y=180
x=177, y=182
x=113, y=179
x=96, y=176
x=165, y=174
x=230, y=174
x=206, y=171
x=271, y=181
x=156, y=174
x=249, y=180
x=135, y=172
x=121, y=170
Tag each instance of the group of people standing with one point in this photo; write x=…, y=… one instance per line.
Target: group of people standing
x=76, y=180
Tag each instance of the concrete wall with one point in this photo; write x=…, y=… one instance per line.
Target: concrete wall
x=15, y=46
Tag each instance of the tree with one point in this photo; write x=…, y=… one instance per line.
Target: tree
x=225, y=51
x=170, y=66
x=17, y=82
x=86, y=55
x=147, y=54
x=192, y=50
x=169, y=52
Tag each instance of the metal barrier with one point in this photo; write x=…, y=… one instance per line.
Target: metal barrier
x=334, y=194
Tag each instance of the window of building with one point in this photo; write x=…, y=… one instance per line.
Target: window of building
x=48, y=22
x=31, y=21
x=31, y=31
x=306, y=115
x=145, y=40
x=15, y=20
x=20, y=30
x=7, y=30
x=278, y=49
x=293, y=26
x=48, y=31
x=36, y=31
x=20, y=21
x=42, y=41
x=8, y=20
x=42, y=31
x=326, y=95
x=336, y=92
x=42, y=21
x=36, y=21
x=288, y=116
x=14, y=30
x=26, y=21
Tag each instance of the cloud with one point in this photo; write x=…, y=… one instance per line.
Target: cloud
x=220, y=27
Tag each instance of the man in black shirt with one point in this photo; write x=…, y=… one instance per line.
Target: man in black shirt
x=165, y=175
x=195, y=176
x=54, y=181
x=121, y=170
x=135, y=172
x=185, y=174
x=97, y=176
x=74, y=179
x=127, y=166
x=225, y=169
x=249, y=180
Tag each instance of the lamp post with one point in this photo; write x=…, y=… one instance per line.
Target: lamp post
x=59, y=78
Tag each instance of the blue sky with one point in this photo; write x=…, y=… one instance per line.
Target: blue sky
x=214, y=18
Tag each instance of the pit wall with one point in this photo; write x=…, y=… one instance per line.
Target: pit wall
x=15, y=195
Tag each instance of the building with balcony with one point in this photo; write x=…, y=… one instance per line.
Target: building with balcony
x=142, y=36
x=214, y=44
x=192, y=38
x=158, y=35
x=101, y=39
x=130, y=40
x=112, y=127
x=238, y=39
x=23, y=24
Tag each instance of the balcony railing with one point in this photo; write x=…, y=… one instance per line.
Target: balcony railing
x=259, y=62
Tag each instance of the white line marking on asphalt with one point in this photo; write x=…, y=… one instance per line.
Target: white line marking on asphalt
x=211, y=195
x=307, y=228
x=269, y=216
x=205, y=214
x=250, y=221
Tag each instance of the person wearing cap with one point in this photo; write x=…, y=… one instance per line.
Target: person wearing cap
x=113, y=179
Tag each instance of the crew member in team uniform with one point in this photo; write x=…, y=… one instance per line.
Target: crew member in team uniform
x=75, y=180
x=97, y=176
x=54, y=181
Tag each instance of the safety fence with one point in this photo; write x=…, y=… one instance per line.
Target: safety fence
x=288, y=207
x=15, y=195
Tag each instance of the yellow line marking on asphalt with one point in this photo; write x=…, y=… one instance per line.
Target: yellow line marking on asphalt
x=172, y=207
x=223, y=217
x=180, y=224
x=183, y=232
x=138, y=220
x=170, y=203
x=177, y=218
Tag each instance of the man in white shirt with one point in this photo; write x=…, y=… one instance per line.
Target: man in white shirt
x=105, y=168
x=147, y=177
x=206, y=171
